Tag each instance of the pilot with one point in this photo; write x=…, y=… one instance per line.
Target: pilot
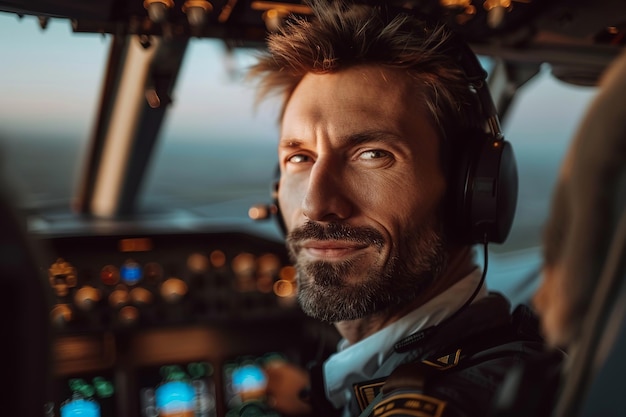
x=377, y=115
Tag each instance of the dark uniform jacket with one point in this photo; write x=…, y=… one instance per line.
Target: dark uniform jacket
x=453, y=369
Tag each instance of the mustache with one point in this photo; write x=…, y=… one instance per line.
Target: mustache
x=336, y=231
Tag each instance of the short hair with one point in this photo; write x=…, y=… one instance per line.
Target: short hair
x=342, y=34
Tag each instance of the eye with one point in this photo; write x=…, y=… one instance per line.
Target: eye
x=374, y=154
x=299, y=159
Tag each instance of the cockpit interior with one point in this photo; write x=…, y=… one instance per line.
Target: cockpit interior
x=142, y=261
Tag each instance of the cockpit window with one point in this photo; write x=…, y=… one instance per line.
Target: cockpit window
x=542, y=121
x=216, y=144
x=50, y=81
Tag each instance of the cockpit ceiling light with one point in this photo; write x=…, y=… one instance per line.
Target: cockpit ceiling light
x=492, y=4
x=196, y=11
x=275, y=13
x=453, y=4
x=495, y=11
x=288, y=7
x=463, y=9
x=274, y=19
x=158, y=9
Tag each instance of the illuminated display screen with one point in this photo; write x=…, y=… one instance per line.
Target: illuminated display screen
x=177, y=390
x=246, y=386
x=130, y=273
x=87, y=395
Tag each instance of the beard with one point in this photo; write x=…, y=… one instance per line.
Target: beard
x=325, y=291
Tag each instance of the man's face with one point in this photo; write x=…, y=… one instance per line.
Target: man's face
x=360, y=192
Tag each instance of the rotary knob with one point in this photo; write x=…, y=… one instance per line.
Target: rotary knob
x=173, y=290
x=62, y=277
x=87, y=297
x=61, y=314
x=140, y=296
x=119, y=297
x=128, y=315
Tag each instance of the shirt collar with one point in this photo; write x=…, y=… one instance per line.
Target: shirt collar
x=360, y=361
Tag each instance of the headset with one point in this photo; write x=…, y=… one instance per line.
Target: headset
x=483, y=183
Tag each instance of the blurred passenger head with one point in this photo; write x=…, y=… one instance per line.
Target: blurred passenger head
x=587, y=205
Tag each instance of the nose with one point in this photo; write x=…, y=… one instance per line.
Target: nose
x=328, y=197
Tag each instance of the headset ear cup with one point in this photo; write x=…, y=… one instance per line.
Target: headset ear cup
x=462, y=164
x=491, y=192
x=506, y=192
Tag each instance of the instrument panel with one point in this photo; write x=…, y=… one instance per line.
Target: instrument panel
x=173, y=324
